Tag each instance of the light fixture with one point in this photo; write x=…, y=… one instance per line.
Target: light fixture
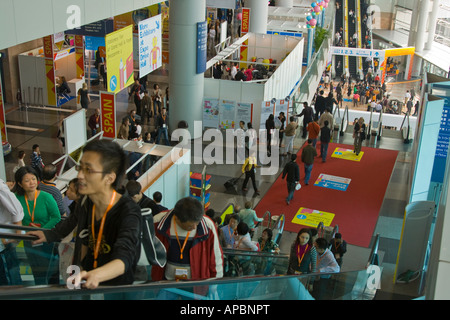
x=273, y=100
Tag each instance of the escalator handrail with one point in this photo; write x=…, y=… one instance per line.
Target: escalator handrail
x=241, y=252
x=19, y=227
x=19, y=237
x=374, y=251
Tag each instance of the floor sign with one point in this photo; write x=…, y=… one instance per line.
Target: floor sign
x=346, y=154
x=332, y=182
x=311, y=217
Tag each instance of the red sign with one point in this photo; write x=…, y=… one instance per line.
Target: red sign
x=245, y=26
x=48, y=47
x=108, y=114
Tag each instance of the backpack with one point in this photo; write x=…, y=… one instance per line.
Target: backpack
x=153, y=251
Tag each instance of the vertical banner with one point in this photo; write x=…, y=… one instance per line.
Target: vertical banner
x=227, y=114
x=282, y=106
x=244, y=112
x=150, y=45
x=202, y=38
x=50, y=71
x=211, y=113
x=2, y=115
x=267, y=108
x=108, y=114
x=79, y=56
x=245, y=28
x=119, y=59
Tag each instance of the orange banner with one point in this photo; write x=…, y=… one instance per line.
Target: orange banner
x=108, y=114
x=245, y=28
x=79, y=56
x=50, y=71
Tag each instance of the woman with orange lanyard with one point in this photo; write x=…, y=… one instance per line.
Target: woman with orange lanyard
x=41, y=211
x=303, y=255
x=107, y=245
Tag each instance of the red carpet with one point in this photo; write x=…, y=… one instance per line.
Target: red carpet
x=356, y=210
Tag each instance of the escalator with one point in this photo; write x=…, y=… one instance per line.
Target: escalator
x=259, y=276
x=338, y=59
x=352, y=62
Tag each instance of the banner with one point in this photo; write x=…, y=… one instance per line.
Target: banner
x=119, y=59
x=150, y=45
x=108, y=114
x=244, y=112
x=202, y=39
x=267, y=108
x=245, y=28
x=227, y=114
x=50, y=71
x=211, y=113
x=282, y=106
x=79, y=56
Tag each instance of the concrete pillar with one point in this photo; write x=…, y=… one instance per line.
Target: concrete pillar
x=186, y=86
x=432, y=20
x=422, y=25
x=259, y=11
x=413, y=28
x=284, y=3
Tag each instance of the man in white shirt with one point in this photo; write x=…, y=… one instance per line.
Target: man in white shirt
x=11, y=212
x=326, y=263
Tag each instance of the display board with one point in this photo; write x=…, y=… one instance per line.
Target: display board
x=150, y=45
x=225, y=114
x=119, y=59
x=75, y=131
x=267, y=108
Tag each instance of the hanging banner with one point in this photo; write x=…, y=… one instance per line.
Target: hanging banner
x=245, y=28
x=202, y=39
x=267, y=108
x=50, y=71
x=108, y=114
x=150, y=45
x=79, y=56
x=282, y=106
x=119, y=59
x=211, y=113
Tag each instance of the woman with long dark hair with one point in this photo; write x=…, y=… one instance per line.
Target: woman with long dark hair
x=303, y=254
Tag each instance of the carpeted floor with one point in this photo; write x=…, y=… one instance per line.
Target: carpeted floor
x=350, y=194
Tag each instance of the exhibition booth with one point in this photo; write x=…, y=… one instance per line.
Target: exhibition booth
x=226, y=102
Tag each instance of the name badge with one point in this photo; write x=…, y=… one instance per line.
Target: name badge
x=164, y=125
x=97, y=125
x=181, y=274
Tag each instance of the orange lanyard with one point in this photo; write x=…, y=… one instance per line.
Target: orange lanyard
x=176, y=235
x=100, y=232
x=298, y=253
x=34, y=205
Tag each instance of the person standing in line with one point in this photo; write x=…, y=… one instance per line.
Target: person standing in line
x=157, y=99
x=326, y=263
x=11, y=212
x=359, y=134
x=83, y=96
x=325, y=137
x=289, y=135
x=249, y=168
x=49, y=176
x=308, y=155
x=292, y=173
x=146, y=106
x=279, y=125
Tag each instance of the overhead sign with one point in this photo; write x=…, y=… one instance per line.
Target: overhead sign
x=150, y=45
x=312, y=217
x=202, y=38
x=222, y=4
x=332, y=182
x=108, y=114
x=357, y=52
x=119, y=59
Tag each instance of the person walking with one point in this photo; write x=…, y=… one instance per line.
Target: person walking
x=308, y=155
x=325, y=137
x=292, y=173
x=307, y=114
x=359, y=134
x=249, y=168
x=289, y=135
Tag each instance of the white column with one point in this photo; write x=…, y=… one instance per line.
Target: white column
x=259, y=10
x=413, y=26
x=432, y=20
x=422, y=25
x=284, y=3
x=186, y=86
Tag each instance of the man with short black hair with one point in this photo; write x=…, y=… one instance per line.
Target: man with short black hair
x=308, y=155
x=48, y=185
x=191, y=241
x=292, y=171
x=134, y=189
x=157, y=198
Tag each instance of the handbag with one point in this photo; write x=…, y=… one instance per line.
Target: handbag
x=153, y=251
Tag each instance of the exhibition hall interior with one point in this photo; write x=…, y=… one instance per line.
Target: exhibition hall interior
x=286, y=119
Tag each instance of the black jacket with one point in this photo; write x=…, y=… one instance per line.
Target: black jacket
x=292, y=171
x=121, y=236
x=325, y=134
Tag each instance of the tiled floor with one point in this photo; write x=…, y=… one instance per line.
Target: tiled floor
x=45, y=123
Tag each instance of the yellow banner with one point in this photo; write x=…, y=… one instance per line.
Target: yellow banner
x=119, y=59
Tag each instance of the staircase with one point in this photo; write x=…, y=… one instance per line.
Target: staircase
x=338, y=59
x=352, y=63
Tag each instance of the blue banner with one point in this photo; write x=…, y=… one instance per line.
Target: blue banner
x=202, y=37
